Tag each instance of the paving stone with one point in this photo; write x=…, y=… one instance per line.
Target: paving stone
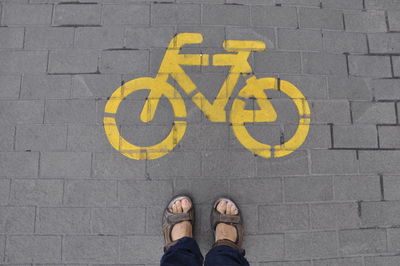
x=73, y=61
x=19, y=112
x=144, y=37
x=201, y=190
x=345, y=42
x=349, y=188
x=236, y=15
x=312, y=244
x=221, y=163
x=289, y=39
x=386, y=89
x=113, y=165
x=394, y=21
x=373, y=113
x=333, y=162
x=87, y=138
x=206, y=137
x=11, y=38
x=12, y=62
x=320, y=18
x=260, y=190
x=10, y=86
x=90, y=193
x=396, y=65
x=90, y=248
x=388, y=137
x=36, y=192
x=277, y=62
x=313, y=87
x=295, y=164
x=351, y=88
x=153, y=221
x=17, y=220
x=94, y=85
x=42, y=38
x=343, y=4
x=99, y=37
x=4, y=191
x=30, y=249
x=365, y=21
x=370, y=66
x=265, y=16
x=356, y=136
x=40, y=138
x=393, y=235
x=391, y=185
x=119, y=220
x=65, y=164
x=171, y=14
x=143, y=193
x=7, y=138
x=335, y=112
x=379, y=161
x=70, y=111
x=380, y=213
x=334, y=215
x=318, y=137
x=381, y=4
x=316, y=188
x=382, y=261
x=299, y=2
x=2, y=247
x=187, y=164
x=27, y=14
x=286, y=263
x=75, y=14
x=264, y=247
x=135, y=249
x=63, y=221
x=266, y=35
x=358, y=261
x=45, y=87
x=282, y=218
x=122, y=15
x=324, y=64
x=124, y=62
x=362, y=241
x=10, y=164
x=384, y=43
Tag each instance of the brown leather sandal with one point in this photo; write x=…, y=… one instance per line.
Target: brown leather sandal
x=170, y=219
x=234, y=220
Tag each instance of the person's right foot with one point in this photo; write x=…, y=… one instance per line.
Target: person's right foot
x=226, y=231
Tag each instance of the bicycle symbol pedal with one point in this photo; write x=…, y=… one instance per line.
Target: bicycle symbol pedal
x=237, y=59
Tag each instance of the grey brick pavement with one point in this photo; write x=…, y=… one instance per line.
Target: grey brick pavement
x=68, y=198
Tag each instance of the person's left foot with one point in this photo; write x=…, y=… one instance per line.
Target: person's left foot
x=182, y=229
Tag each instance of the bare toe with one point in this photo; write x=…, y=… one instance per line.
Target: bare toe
x=178, y=206
x=221, y=207
x=174, y=209
x=229, y=208
x=186, y=205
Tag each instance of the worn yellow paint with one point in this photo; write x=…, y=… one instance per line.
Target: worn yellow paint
x=237, y=59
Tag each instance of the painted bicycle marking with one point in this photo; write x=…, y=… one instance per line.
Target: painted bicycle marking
x=237, y=59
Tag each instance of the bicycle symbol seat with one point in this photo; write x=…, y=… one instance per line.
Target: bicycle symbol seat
x=237, y=59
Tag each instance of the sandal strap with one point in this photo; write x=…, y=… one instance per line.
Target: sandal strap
x=225, y=218
x=174, y=218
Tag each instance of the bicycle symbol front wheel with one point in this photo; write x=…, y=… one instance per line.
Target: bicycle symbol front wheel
x=239, y=116
x=155, y=151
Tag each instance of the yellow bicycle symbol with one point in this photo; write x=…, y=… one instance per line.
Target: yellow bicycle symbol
x=215, y=111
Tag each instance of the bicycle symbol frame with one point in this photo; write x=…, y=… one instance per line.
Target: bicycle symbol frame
x=237, y=59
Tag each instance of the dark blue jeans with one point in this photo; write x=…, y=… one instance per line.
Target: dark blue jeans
x=187, y=253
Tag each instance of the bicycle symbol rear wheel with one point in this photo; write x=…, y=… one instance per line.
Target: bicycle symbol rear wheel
x=155, y=151
x=239, y=116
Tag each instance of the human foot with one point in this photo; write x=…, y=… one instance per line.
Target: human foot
x=182, y=229
x=223, y=230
